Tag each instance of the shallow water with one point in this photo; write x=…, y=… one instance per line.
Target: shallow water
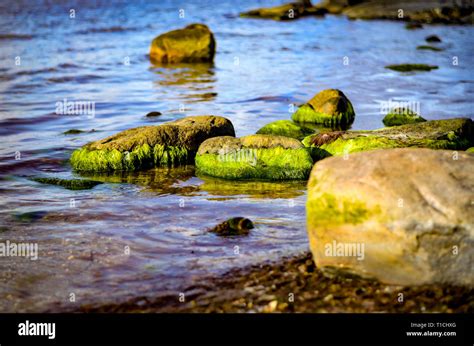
x=145, y=233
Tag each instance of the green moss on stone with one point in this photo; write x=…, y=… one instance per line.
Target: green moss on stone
x=285, y=128
x=435, y=49
x=70, y=184
x=411, y=67
x=402, y=117
x=267, y=164
x=470, y=150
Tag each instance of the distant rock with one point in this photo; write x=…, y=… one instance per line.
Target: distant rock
x=70, y=184
x=264, y=157
x=329, y=107
x=285, y=128
x=384, y=214
x=413, y=26
x=435, y=49
x=433, y=38
x=153, y=114
x=401, y=116
x=455, y=134
x=288, y=11
x=194, y=43
x=170, y=144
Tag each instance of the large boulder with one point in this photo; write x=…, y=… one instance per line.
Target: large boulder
x=194, y=43
x=456, y=134
x=285, y=128
x=170, y=144
x=264, y=157
x=402, y=216
x=329, y=107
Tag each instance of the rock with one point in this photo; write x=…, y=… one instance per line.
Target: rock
x=402, y=116
x=328, y=107
x=470, y=150
x=422, y=11
x=285, y=128
x=170, y=144
x=194, y=43
x=435, y=49
x=70, y=184
x=455, y=134
x=265, y=157
x=402, y=216
x=289, y=11
x=72, y=132
x=413, y=26
x=334, y=6
x=153, y=114
x=411, y=67
x=433, y=38
x=233, y=226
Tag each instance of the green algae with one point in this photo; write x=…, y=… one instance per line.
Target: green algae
x=30, y=216
x=453, y=134
x=267, y=164
x=285, y=128
x=411, y=67
x=402, y=117
x=306, y=114
x=434, y=49
x=70, y=184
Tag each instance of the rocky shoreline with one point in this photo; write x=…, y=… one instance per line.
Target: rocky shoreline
x=295, y=284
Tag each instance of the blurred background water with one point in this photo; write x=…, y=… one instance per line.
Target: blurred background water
x=145, y=233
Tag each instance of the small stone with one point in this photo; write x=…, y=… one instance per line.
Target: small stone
x=433, y=38
x=233, y=226
x=153, y=114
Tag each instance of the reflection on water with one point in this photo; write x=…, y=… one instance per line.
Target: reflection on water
x=145, y=233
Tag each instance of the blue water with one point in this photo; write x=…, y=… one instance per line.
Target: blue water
x=145, y=233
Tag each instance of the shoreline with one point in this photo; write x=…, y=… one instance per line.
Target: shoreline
x=295, y=284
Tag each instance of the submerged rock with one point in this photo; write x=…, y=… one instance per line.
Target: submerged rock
x=435, y=49
x=433, y=38
x=233, y=226
x=413, y=26
x=329, y=107
x=72, y=132
x=455, y=134
x=194, y=43
x=170, y=144
x=411, y=67
x=70, y=184
x=385, y=215
x=285, y=128
x=264, y=157
x=288, y=11
x=401, y=116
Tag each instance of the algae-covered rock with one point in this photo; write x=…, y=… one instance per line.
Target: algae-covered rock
x=329, y=107
x=72, y=132
x=402, y=116
x=194, y=43
x=285, y=128
x=455, y=134
x=170, y=144
x=233, y=226
x=470, y=150
x=434, y=49
x=411, y=67
x=265, y=157
x=70, y=184
x=402, y=216
x=288, y=11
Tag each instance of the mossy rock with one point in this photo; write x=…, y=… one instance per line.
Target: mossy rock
x=232, y=227
x=470, y=150
x=411, y=67
x=260, y=157
x=194, y=43
x=401, y=116
x=454, y=134
x=170, y=144
x=288, y=11
x=285, y=128
x=70, y=184
x=435, y=49
x=329, y=107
